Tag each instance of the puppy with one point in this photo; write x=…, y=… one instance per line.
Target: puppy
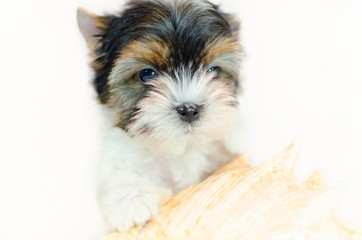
x=166, y=73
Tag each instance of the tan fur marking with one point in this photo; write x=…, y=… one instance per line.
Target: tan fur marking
x=95, y=64
x=101, y=24
x=151, y=52
x=219, y=46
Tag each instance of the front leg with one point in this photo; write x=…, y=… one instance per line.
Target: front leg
x=127, y=199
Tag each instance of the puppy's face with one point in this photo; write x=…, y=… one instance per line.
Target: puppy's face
x=168, y=71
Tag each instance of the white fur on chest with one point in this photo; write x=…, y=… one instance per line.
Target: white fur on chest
x=135, y=181
x=121, y=152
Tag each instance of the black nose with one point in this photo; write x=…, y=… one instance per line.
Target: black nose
x=188, y=113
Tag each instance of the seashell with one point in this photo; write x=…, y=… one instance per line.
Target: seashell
x=239, y=202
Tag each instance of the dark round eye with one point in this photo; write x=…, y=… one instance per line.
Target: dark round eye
x=215, y=70
x=146, y=74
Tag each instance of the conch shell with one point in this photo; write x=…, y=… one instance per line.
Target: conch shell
x=244, y=203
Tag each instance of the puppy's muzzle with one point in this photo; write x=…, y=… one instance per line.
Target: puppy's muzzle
x=188, y=112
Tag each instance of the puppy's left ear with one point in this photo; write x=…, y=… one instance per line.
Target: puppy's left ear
x=234, y=25
x=90, y=25
x=232, y=20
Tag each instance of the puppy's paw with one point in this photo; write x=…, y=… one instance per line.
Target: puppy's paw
x=129, y=206
x=125, y=214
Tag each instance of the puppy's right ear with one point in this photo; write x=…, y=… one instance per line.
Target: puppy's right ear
x=90, y=25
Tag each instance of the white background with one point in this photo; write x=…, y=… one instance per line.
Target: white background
x=302, y=81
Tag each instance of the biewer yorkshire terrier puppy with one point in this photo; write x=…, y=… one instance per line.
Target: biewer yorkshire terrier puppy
x=166, y=73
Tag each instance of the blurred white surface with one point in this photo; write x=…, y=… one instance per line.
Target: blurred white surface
x=303, y=81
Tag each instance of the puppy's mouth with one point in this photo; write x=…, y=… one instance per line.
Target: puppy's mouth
x=190, y=128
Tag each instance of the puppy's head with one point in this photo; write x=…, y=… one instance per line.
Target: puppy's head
x=168, y=70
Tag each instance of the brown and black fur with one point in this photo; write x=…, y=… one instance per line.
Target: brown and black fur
x=167, y=35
